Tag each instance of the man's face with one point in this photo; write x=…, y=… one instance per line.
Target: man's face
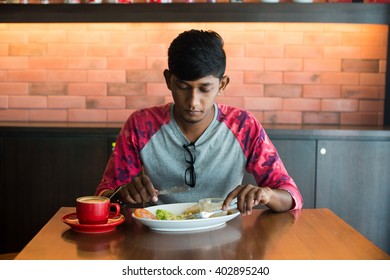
x=194, y=99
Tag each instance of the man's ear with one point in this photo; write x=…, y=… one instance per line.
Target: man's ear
x=223, y=83
x=167, y=76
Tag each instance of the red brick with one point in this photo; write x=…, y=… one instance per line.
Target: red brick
x=282, y=90
x=36, y=75
x=322, y=65
x=125, y=89
x=339, y=105
x=340, y=78
x=301, y=104
x=245, y=63
x=90, y=37
x=282, y=117
x=321, y=91
x=134, y=63
x=322, y=38
x=342, y=52
x=107, y=50
x=27, y=102
x=156, y=63
x=283, y=64
x=4, y=49
x=263, y=103
x=66, y=102
x=362, y=39
x=267, y=51
x=67, y=75
x=261, y=77
x=109, y=76
x=378, y=79
x=283, y=37
x=48, y=115
x=236, y=50
x=359, y=119
x=360, y=92
x=302, y=78
x=372, y=52
x=236, y=77
x=371, y=106
x=87, y=115
x=304, y=51
x=27, y=49
x=149, y=75
x=47, y=36
x=67, y=50
x=244, y=90
x=320, y=118
x=157, y=89
x=87, y=89
x=147, y=49
x=14, y=115
x=106, y=102
x=233, y=101
x=12, y=62
x=48, y=88
x=47, y=63
x=7, y=36
x=13, y=88
x=87, y=62
x=140, y=102
x=360, y=65
x=3, y=102
x=247, y=37
x=125, y=37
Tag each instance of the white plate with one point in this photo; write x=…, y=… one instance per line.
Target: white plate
x=182, y=225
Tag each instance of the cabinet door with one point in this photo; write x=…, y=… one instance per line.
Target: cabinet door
x=41, y=174
x=353, y=180
x=299, y=158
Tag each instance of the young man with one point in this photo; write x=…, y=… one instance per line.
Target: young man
x=197, y=143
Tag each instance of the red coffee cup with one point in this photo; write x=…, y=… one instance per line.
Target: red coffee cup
x=95, y=209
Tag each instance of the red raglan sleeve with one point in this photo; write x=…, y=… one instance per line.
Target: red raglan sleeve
x=267, y=167
x=263, y=160
x=124, y=162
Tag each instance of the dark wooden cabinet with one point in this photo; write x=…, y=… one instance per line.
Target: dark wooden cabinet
x=353, y=180
x=42, y=173
x=299, y=158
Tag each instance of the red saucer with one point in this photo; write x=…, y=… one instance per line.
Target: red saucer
x=72, y=221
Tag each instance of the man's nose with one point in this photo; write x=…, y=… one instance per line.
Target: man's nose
x=194, y=97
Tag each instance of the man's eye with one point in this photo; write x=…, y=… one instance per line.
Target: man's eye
x=182, y=87
x=205, y=90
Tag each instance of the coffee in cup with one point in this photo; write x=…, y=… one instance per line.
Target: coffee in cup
x=95, y=209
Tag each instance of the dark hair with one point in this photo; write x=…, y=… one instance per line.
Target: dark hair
x=195, y=54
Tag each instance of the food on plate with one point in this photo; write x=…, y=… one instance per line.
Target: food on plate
x=162, y=214
x=188, y=213
x=143, y=213
x=194, y=209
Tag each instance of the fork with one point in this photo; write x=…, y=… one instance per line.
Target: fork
x=205, y=214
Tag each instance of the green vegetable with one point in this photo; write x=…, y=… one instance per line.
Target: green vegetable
x=166, y=215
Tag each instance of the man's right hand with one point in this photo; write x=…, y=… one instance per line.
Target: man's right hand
x=139, y=190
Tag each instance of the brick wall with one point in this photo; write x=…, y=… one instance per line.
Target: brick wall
x=285, y=73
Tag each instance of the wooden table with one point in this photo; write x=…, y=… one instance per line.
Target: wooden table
x=298, y=235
